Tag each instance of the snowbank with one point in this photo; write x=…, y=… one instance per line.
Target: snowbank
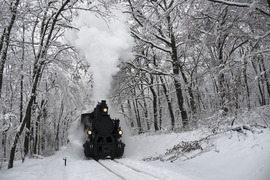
x=230, y=155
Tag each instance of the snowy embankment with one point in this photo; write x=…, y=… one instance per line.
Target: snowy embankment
x=190, y=155
x=230, y=155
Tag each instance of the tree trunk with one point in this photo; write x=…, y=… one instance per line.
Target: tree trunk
x=137, y=115
x=190, y=92
x=180, y=101
x=5, y=39
x=246, y=82
x=18, y=134
x=27, y=136
x=146, y=112
x=155, y=108
x=178, y=88
x=258, y=74
x=221, y=75
x=176, y=72
x=36, y=134
x=159, y=106
x=130, y=114
x=4, y=145
x=57, y=140
x=265, y=77
x=21, y=83
x=165, y=90
x=262, y=85
x=27, y=116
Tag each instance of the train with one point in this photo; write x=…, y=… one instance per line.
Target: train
x=103, y=134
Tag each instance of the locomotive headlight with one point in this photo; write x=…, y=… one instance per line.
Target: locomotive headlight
x=89, y=132
x=120, y=132
x=105, y=110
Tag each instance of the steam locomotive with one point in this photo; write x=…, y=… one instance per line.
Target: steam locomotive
x=104, y=134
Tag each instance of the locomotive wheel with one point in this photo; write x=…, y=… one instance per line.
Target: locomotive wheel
x=112, y=157
x=87, y=151
x=120, y=150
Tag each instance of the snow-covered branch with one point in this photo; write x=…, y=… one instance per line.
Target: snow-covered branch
x=150, y=42
x=152, y=71
x=238, y=4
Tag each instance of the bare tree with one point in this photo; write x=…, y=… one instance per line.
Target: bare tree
x=47, y=29
x=158, y=30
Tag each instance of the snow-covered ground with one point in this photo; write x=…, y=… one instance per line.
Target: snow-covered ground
x=225, y=156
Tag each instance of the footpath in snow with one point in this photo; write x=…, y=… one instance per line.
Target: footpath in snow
x=229, y=155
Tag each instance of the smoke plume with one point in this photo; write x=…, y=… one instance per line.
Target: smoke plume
x=104, y=43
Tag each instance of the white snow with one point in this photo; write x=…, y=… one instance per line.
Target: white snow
x=225, y=156
x=229, y=155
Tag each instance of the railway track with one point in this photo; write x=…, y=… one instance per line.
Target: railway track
x=126, y=172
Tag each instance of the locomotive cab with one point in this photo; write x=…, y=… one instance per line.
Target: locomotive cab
x=103, y=134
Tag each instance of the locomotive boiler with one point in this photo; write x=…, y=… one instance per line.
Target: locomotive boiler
x=103, y=133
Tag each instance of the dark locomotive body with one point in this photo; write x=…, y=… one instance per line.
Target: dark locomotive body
x=103, y=134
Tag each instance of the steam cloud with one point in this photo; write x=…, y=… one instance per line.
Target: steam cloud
x=103, y=44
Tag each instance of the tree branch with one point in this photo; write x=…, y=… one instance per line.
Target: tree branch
x=238, y=4
x=149, y=42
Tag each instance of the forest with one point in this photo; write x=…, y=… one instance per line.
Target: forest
x=192, y=62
